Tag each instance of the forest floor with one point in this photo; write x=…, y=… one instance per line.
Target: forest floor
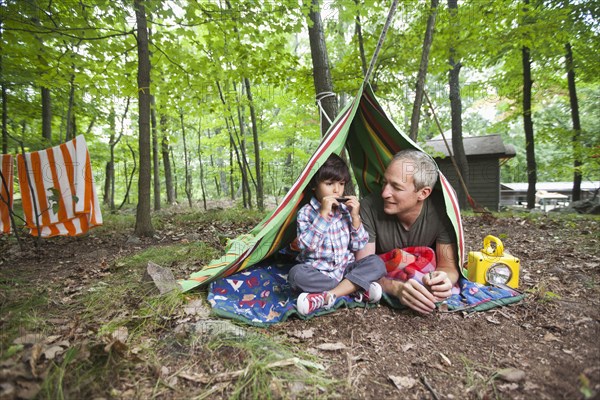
x=78, y=321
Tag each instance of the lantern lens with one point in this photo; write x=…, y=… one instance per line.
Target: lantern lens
x=498, y=273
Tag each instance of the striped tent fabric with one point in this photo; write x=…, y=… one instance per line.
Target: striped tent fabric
x=6, y=192
x=57, y=185
x=371, y=139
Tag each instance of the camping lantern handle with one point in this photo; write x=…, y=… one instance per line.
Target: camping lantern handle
x=498, y=251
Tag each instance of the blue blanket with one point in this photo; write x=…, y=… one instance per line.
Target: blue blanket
x=262, y=296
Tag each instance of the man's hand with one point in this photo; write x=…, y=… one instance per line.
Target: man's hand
x=439, y=284
x=416, y=296
x=410, y=293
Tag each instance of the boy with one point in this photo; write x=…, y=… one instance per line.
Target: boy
x=329, y=232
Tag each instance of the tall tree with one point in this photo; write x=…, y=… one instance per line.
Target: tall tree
x=155, y=158
x=458, y=148
x=143, y=221
x=166, y=151
x=420, y=87
x=528, y=121
x=4, y=96
x=188, y=177
x=577, y=163
x=259, y=178
x=321, y=72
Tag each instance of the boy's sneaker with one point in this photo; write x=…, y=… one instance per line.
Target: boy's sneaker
x=373, y=295
x=310, y=302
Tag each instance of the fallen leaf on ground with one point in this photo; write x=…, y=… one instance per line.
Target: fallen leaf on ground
x=196, y=307
x=121, y=334
x=511, y=374
x=331, y=346
x=549, y=337
x=446, y=360
x=403, y=382
x=407, y=347
x=304, y=334
x=508, y=387
x=30, y=338
x=51, y=352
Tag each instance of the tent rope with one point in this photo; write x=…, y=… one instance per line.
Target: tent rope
x=476, y=207
x=388, y=22
x=320, y=97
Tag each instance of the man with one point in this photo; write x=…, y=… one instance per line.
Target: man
x=408, y=213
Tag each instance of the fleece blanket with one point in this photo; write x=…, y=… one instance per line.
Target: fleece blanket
x=262, y=296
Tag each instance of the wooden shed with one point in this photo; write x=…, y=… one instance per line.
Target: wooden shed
x=485, y=155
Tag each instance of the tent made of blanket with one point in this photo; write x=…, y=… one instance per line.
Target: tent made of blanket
x=371, y=139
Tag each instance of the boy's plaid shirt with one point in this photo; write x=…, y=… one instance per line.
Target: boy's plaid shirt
x=328, y=244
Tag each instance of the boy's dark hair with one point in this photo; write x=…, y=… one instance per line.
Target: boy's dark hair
x=333, y=168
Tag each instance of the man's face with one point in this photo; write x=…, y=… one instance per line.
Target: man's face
x=399, y=194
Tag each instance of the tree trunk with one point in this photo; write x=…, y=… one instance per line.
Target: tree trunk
x=420, y=87
x=528, y=126
x=155, y=158
x=202, y=188
x=165, y=151
x=458, y=148
x=187, y=183
x=321, y=73
x=175, y=183
x=260, y=202
x=143, y=221
x=129, y=180
x=47, y=115
x=577, y=163
x=167, y=168
x=4, y=104
x=109, y=178
x=4, y=120
x=70, y=117
x=361, y=44
x=241, y=145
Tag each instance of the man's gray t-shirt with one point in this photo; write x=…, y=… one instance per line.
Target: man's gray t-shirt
x=432, y=225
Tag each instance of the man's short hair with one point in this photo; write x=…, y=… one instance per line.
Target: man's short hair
x=424, y=170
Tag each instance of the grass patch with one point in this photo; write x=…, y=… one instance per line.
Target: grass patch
x=268, y=368
x=542, y=293
x=22, y=308
x=180, y=254
x=479, y=380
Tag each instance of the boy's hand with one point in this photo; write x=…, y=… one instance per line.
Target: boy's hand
x=327, y=204
x=354, y=206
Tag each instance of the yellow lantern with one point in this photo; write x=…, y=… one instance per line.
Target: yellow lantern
x=491, y=266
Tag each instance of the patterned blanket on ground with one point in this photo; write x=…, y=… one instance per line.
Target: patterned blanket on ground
x=262, y=296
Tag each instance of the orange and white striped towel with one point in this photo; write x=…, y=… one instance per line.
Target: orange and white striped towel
x=6, y=191
x=63, y=187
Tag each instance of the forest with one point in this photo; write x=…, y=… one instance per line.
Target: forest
x=199, y=101
x=199, y=115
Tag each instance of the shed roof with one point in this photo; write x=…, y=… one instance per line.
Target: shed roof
x=489, y=145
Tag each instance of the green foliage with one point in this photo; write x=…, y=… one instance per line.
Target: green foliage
x=202, y=51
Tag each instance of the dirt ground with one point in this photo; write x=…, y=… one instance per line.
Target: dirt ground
x=545, y=347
